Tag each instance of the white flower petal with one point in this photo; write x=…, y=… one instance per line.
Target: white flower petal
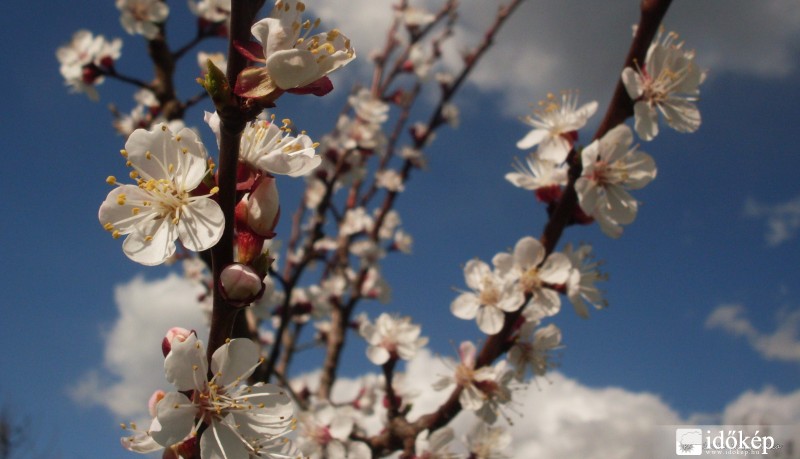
x=681, y=115
x=532, y=138
x=176, y=415
x=201, y=225
x=293, y=68
x=234, y=361
x=546, y=300
x=555, y=269
x=340, y=427
x=474, y=273
x=465, y=306
x=632, y=82
x=378, y=355
x=220, y=442
x=151, y=243
x=185, y=366
x=646, y=120
x=528, y=252
x=490, y=319
x=125, y=217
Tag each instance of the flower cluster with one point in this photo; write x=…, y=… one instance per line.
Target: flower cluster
x=390, y=338
x=86, y=59
x=142, y=17
x=555, y=132
x=526, y=277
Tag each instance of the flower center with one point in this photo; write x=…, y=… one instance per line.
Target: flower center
x=530, y=280
x=140, y=11
x=490, y=294
x=464, y=375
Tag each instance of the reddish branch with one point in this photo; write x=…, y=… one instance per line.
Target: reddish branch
x=224, y=323
x=400, y=433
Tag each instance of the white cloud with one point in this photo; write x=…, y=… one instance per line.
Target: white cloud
x=783, y=219
x=133, y=363
x=551, y=45
x=777, y=414
x=782, y=344
x=564, y=419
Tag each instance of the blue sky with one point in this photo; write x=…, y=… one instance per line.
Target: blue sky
x=716, y=235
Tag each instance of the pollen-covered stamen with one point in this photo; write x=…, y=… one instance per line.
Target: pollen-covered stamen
x=530, y=280
x=265, y=138
x=489, y=294
x=464, y=375
x=304, y=29
x=657, y=88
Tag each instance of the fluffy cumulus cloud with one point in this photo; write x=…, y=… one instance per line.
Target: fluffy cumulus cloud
x=782, y=219
x=781, y=344
x=552, y=45
x=133, y=365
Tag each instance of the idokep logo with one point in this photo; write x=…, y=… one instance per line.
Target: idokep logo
x=688, y=442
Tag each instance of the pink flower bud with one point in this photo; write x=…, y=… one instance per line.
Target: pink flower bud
x=263, y=207
x=249, y=245
x=174, y=333
x=241, y=285
x=154, y=399
x=240, y=214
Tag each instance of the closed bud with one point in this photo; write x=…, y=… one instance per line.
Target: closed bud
x=240, y=213
x=174, y=333
x=249, y=245
x=240, y=284
x=263, y=207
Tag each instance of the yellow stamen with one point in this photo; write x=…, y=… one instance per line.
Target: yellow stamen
x=111, y=180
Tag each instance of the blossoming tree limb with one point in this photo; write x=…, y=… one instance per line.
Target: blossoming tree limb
x=226, y=403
